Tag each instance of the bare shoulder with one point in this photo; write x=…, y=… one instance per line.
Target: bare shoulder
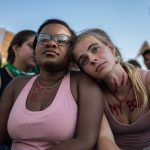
x=81, y=84
x=10, y=94
x=19, y=82
x=79, y=76
x=90, y=101
x=15, y=86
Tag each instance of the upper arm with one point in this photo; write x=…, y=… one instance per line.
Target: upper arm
x=106, y=139
x=6, y=103
x=90, y=110
x=105, y=130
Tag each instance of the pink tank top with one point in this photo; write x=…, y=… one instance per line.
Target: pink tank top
x=38, y=130
x=135, y=136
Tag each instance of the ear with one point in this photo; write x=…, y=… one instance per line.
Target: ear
x=15, y=49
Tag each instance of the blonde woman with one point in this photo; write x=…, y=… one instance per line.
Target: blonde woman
x=126, y=124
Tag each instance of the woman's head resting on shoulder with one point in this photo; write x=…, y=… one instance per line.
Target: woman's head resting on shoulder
x=53, y=45
x=95, y=53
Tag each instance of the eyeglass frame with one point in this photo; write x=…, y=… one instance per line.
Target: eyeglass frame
x=53, y=38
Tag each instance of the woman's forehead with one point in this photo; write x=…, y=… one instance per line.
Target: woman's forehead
x=86, y=41
x=56, y=29
x=82, y=45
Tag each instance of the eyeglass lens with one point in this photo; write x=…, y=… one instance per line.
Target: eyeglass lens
x=59, y=38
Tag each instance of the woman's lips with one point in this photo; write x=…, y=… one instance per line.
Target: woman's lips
x=100, y=67
x=50, y=52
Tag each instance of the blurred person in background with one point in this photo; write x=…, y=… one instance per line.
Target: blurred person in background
x=20, y=62
x=146, y=57
x=145, y=53
x=135, y=63
x=20, y=59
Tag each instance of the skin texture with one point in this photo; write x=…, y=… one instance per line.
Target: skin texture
x=99, y=61
x=52, y=60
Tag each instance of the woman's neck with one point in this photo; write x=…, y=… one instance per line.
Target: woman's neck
x=117, y=80
x=22, y=67
x=51, y=76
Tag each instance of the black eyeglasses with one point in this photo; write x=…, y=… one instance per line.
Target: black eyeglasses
x=60, y=39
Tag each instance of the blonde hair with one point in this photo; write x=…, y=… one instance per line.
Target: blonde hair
x=134, y=76
x=139, y=88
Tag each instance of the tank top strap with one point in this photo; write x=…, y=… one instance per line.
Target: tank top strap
x=65, y=85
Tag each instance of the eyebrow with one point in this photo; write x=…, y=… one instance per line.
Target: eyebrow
x=91, y=46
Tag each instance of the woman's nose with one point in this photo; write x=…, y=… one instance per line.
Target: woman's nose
x=51, y=44
x=93, y=60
